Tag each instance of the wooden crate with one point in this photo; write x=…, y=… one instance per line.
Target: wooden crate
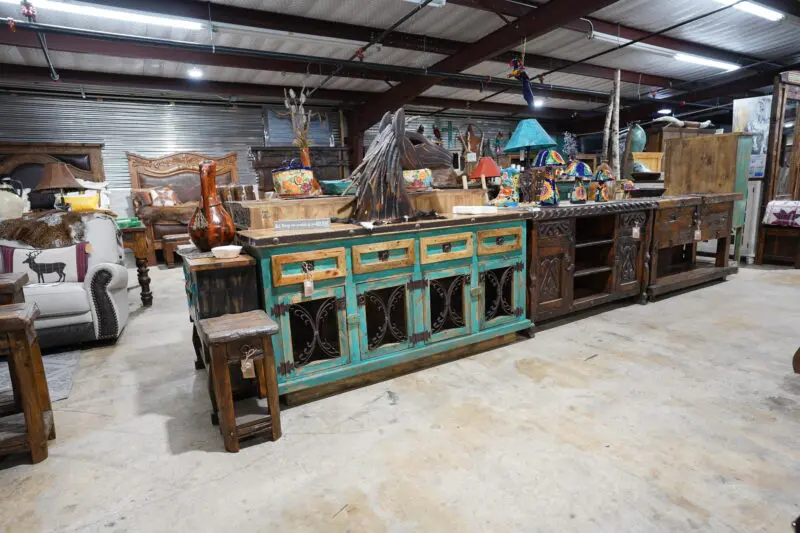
x=657, y=137
x=651, y=159
x=262, y=214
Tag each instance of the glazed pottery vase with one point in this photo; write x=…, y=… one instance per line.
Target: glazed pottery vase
x=548, y=196
x=578, y=194
x=210, y=225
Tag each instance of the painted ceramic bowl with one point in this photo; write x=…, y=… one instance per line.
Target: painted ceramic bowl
x=336, y=187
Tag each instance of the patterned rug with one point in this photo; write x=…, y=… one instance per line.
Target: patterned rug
x=57, y=367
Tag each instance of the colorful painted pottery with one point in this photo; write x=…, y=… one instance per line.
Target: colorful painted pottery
x=548, y=193
x=294, y=179
x=603, y=193
x=578, y=169
x=337, y=187
x=578, y=194
x=604, y=173
x=638, y=138
x=210, y=225
x=549, y=158
x=509, y=189
x=418, y=179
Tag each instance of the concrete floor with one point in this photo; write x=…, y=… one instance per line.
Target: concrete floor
x=677, y=416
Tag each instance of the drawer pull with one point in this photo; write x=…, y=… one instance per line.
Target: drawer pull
x=500, y=240
x=383, y=255
x=308, y=266
x=447, y=247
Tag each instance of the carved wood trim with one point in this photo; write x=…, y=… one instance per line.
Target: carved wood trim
x=590, y=209
x=178, y=163
x=560, y=228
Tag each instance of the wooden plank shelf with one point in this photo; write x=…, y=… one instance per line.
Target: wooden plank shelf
x=592, y=270
x=588, y=244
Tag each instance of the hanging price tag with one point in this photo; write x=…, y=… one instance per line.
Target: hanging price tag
x=308, y=287
x=248, y=368
x=636, y=232
x=697, y=235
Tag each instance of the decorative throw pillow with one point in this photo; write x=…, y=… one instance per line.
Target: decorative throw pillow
x=141, y=197
x=50, y=265
x=164, y=197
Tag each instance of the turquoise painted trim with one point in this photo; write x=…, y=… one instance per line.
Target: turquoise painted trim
x=743, y=154
x=371, y=365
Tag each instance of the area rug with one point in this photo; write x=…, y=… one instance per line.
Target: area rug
x=58, y=368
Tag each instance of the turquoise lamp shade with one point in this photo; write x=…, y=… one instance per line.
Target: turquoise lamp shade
x=529, y=134
x=579, y=169
x=549, y=158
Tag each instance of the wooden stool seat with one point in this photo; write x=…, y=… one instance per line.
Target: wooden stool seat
x=30, y=425
x=242, y=338
x=11, y=284
x=170, y=243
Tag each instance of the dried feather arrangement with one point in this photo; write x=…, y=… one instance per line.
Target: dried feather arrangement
x=301, y=120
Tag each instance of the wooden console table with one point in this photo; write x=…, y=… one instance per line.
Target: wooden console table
x=135, y=239
x=399, y=293
x=680, y=222
x=582, y=256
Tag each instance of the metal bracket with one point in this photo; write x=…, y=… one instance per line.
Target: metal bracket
x=361, y=299
x=419, y=337
x=519, y=266
x=279, y=309
x=518, y=311
x=341, y=303
x=383, y=255
x=417, y=284
x=285, y=367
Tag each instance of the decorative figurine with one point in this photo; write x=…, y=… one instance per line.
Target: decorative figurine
x=518, y=73
x=509, y=189
x=578, y=194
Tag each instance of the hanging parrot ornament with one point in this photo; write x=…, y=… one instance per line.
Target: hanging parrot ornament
x=518, y=72
x=437, y=134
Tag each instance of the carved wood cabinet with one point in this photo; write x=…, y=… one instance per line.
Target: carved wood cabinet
x=349, y=301
x=583, y=256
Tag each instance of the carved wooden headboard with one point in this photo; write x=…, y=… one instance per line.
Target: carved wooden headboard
x=179, y=171
x=25, y=161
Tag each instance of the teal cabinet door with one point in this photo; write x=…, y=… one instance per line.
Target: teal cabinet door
x=313, y=332
x=448, y=303
x=501, y=292
x=386, y=317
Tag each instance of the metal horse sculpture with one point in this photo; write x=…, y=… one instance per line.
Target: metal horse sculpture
x=45, y=268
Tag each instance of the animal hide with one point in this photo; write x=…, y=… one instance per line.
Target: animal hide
x=181, y=213
x=52, y=229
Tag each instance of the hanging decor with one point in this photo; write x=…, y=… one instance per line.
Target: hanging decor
x=518, y=73
x=498, y=143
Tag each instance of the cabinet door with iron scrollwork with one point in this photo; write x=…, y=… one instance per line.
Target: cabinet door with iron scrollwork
x=448, y=307
x=385, y=312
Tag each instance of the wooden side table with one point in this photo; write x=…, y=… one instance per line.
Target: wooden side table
x=135, y=239
x=31, y=425
x=170, y=243
x=11, y=284
x=242, y=338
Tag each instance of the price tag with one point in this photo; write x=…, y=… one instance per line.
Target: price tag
x=472, y=157
x=248, y=369
x=697, y=235
x=636, y=232
x=308, y=287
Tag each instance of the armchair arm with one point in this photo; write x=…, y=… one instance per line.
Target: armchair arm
x=107, y=287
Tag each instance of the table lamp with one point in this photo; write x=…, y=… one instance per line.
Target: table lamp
x=57, y=177
x=550, y=160
x=528, y=135
x=578, y=171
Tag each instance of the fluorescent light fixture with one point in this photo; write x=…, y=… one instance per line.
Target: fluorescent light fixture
x=665, y=111
x=755, y=9
x=538, y=102
x=644, y=47
x=706, y=62
x=195, y=73
x=113, y=14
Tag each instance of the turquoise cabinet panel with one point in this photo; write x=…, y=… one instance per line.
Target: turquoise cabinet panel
x=447, y=306
x=385, y=315
x=500, y=291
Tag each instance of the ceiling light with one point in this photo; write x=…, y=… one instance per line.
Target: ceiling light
x=665, y=111
x=113, y=14
x=755, y=9
x=619, y=41
x=195, y=73
x=706, y=62
x=538, y=102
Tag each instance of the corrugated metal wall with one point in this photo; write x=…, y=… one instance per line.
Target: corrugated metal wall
x=490, y=127
x=146, y=128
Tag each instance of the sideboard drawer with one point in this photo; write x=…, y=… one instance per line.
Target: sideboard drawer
x=290, y=269
x=715, y=221
x=499, y=241
x=674, y=226
x=445, y=247
x=383, y=256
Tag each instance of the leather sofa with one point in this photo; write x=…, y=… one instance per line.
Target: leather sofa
x=94, y=309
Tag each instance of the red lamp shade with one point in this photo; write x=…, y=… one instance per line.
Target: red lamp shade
x=486, y=167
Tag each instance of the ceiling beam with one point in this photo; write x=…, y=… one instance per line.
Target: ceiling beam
x=545, y=19
x=10, y=73
x=517, y=9
x=219, y=58
x=255, y=18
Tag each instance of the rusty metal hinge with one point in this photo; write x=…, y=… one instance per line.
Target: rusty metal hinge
x=285, y=368
x=417, y=284
x=420, y=337
x=279, y=309
x=341, y=303
x=361, y=299
x=519, y=266
x=518, y=311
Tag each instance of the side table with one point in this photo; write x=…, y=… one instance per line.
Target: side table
x=11, y=284
x=135, y=239
x=31, y=425
x=170, y=243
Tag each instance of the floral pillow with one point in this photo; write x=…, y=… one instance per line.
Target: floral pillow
x=164, y=197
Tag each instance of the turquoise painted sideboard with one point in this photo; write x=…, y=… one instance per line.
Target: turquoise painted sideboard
x=350, y=301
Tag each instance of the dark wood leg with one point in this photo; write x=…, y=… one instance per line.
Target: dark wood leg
x=144, y=281
x=31, y=399
x=723, y=245
x=41, y=384
x=199, y=364
x=169, y=256
x=224, y=396
x=270, y=377
x=796, y=362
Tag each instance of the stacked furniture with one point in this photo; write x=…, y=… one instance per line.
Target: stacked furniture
x=582, y=256
x=180, y=173
x=330, y=163
x=349, y=301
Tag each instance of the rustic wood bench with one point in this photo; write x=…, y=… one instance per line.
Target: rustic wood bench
x=244, y=339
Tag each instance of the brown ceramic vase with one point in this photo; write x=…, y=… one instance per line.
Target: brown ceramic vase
x=210, y=225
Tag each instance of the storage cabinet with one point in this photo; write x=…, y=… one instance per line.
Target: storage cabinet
x=401, y=292
x=583, y=256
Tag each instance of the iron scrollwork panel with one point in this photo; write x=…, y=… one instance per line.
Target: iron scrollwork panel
x=314, y=331
x=447, y=303
x=385, y=312
x=498, y=300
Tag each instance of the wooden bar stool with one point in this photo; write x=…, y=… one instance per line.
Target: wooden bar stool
x=11, y=284
x=31, y=425
x=242, y=338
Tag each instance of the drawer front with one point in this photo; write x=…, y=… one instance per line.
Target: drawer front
x=499, y=241
x=556, y=233
x=674, y=226
x=715, y=221
x=445, y=247
x=290, y=269
x=383, y=256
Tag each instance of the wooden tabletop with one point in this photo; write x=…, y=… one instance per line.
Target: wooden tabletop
x=14, y=317
x=11, y=282
x=236, y=326
x=213, y=263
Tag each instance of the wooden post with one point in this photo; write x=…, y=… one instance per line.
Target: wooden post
x=607, y=127
x=615, y=127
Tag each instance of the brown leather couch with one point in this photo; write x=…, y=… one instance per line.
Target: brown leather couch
x=180, y=172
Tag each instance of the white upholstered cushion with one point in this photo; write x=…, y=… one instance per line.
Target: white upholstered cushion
x=58, y=299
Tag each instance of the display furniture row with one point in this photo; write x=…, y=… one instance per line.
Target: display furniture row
x=349, y=301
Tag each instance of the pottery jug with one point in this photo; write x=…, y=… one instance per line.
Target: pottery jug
x=210, y=225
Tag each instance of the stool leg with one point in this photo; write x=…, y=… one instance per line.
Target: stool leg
x=41, y=384
x=222, y=389
x=169, y=255
x=31, y=407
x=270, y=378
x=199, y=364
x=261, y=381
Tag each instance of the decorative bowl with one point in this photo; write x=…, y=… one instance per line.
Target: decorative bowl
x=336, y=187
x=226, y=252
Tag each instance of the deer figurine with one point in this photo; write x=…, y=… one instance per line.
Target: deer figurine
x=45, y=268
